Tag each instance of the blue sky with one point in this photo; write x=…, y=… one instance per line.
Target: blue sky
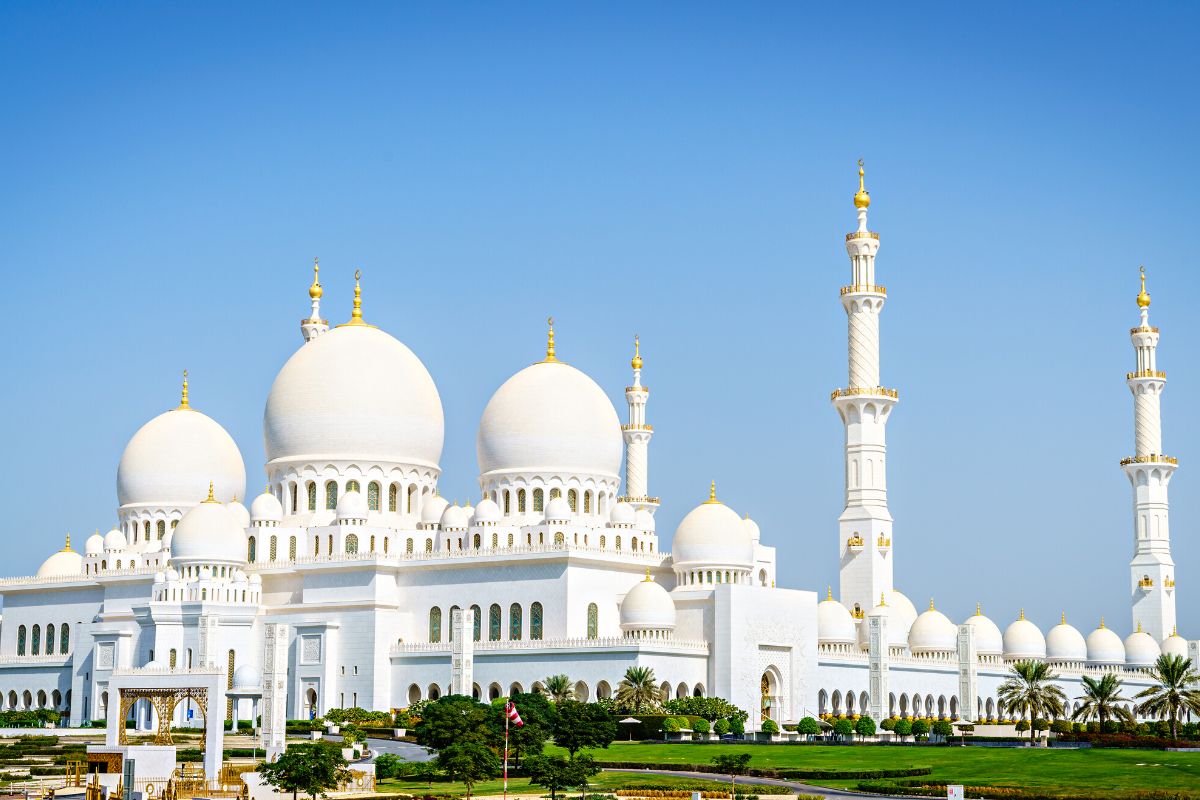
x=682, y=171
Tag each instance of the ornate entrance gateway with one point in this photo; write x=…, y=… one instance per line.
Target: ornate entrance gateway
x=163, y=701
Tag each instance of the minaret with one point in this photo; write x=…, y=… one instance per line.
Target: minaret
x=1151, y=572
x=637, y=439
x=865, y=526
x=314, y=326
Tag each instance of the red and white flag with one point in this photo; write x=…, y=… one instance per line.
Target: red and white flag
x=510, y=711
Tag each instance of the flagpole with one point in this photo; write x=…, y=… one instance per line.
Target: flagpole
x=506, y=752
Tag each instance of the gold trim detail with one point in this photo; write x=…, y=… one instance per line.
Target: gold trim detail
x=864, y=288
x=1145, y=373
x=1153, y=458
x=868, y=390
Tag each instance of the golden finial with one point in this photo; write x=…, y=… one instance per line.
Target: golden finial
x=1102, y=623
x=267, y=489
x=315, y=291
x=979, y=609
x=183, y=396
x=1173, y=630
x=712, y=493
x=550, y=358
x=931, y=608
x=67, y=546
x=1063, y=620
x=882, y=599
x=211, y=498
x=636, y=363
x=828, y=592
x=647, y=575
x=862, y=199
x=1022, y=614
x=1143, y=298
x=1139, y=628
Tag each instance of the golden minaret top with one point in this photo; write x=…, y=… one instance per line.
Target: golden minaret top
x=862, y=198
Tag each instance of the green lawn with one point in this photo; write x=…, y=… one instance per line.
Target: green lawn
x=605, y=781
x=1075, y=771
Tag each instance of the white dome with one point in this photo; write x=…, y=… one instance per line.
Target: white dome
x=752, y=529
x=487, y=511
x=255, y=579
x=834, y=623
x=644, y=520
x=1175, y=645
x=64, y=562
x=266, y=508
x=94, y=545
x=905, y=609
x=1022, y=639
x=160, y=577
x=431, y=511
x=622, y=514
x=712, y=533
x=1065, y=643
x=246, y=677
x=550, y=418
x=454, y=518
x=1105, y=647
x=932, y=632
x=647, y=606
x=208, y=533
x=352, y=505
x=1140, y=649
x=114, y=540
x=558, y=510
x=898, y=626
x=173, y=457
x=988, y=639
x=354, y=393
x=154, y=664
x=172, y=574
x=240, y=514
x=239, y=577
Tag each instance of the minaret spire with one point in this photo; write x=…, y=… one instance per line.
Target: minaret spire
x=183, y=394
x=314, y=326
x=637, y=438
x=1152, y=570
x=865, y=525
x=356, y=315
x=550, y=357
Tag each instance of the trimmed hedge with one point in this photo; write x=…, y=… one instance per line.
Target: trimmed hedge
x=785, y=773
x=1127, y=740
x=1011, y=792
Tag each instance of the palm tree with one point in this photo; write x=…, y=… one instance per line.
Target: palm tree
x=558, y=688
x=1029, y=690
x=637, y=690
x=1102, y=699
x=1178, y=690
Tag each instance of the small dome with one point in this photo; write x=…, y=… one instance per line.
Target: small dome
x=94, y=545
x=647, y=606
x=255, y=579
x=352, y=505
x=431, y=511
x=1175, y=645
x=266, y=508
x=644, y=521
x=160, y=577
x=114, y=540
x=932, y=632
x=834, y=623
x=989, y=641
x=64, y=562
x=240, y=514
x=557, y=510
x=622, y=514
x=712, y=533
x=172, y=574
x=752, y=529
x=246, y=677
x=1105, y=647
x=898, y=626
x=239, y=577
x=1140, y=649
x=1022, y=639
x=487, y=511
x=454, y=518
x=154, y=664
x=208, y=533
x=1065, y=643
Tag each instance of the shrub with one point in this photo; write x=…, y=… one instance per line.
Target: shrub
x=1078, y=727
x=888, y=724
x=388, y=765
x=1041, y=724
x=770, y=726
x=700, y=725
x=710, y=708
x=843, y=728
x=670, y=725
x=1093, y=727
x=1022, y=725
x=737, y=726
x=920, y=728
x=903, y=728
x=942, y=728
x=721, y=727
x=1110, y=726
x=808, y=726
x=1060, y=726
x=865, y=726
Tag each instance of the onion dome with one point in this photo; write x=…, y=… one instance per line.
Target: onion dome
x=468, y=509
x=988, y=640
x=1175, y=645
x=114, y=540
x=1104, y=646
x=64, y=562
x=240, y=514
x=246, y=677
x=432, y=510
x=487, y=511
x=932, y=632
x=1022, y=639
x=208, y=534
x=712, y=534
x=647, y=607
x=1140, y=648
x=1065, y=643
x=266, y=508
x=1143, y=298
x=644, y=521
x=752, y=529
x=623, y=514
x=94, y=545
x=898, y=625
x=550, y=418
x=834, y=623
x=557, y=510
x=170, y=461
x=354, y=393
x=351, y=505
x=862, y=198
x=454, y=518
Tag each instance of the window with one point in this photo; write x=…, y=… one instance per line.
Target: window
x=162, y=529
x=618, y=542
x=555, y=493
x=146, y=527
x=510, y=540
x=587, y=502
x=538, y=498
x=475, y=541
x=408, y=546
x=429, y=545
x=514, y=622
x=385, y=545
x=352, y=543
x=603, y=541
x=393, y=494
x=520, y=501
x=251, y=548
x=507, y=503
x=21, y=640
x=352, y=486
x=372, y=543
x=573, y=500
x=593, y=621
x=435, y=624
x=274, y=547
x=493, y=623
x=477, y=614
x=293, y=492
x=50, y=639
x=535, y=621
x=412, y=494
x=312, y=496
x=372, y=496
x=558, y=539
x=292, y=548
x=174, y=657
x=36, y=641
x=330, y=543
x=64, y=638
x=495, y=540
x=633, y=544
x=331, y=495
x=451, y=630
x=316, y=545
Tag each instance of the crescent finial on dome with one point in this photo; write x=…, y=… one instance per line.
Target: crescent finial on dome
x=1102, y=623
x=183, y=395
x=550, y=357
x=315, y=291
x=882, y=599
x=979, y=609
x=712, y=493
x=931, y=608
x=636, y=363
x=356, y=315
x=1143, y=298
x=828, y=592
x=1022, y=614
x=1063, y=619
x=211, y=498
x=862, y=198
x=67, y=546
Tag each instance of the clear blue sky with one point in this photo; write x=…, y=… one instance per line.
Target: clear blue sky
x=683, y=171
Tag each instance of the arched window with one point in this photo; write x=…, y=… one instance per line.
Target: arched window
x=429, y=545
x=385, y=544
x=593, y=621
x=352, y=543
x=146, y=528
x=477, y=614
x=330, y=543
x=412, y=494
x=507, y=502
x=558, y=538
x=251, y=548
x=21, y=640
x=408, y=546
x=555, y=493
x=64, y=638
x=331, y=495
x=603, y=541
x=435, y=624
x=36, y=641
x=162, y=529
x=510, y=540
x=174, y=522
x=292, y=491
x=633, y=543
x=174, y=657
x=538, y=501
x=520, y=501
x=495, y=540
x=535, y=621
x=573, y=500
x=372, y=543
x=352, y=486
x=312, y=496
x=372, y=496
x=587, y=502
x=475, y=541
x=393, y=494
x=514, y=622
x=274, y=547
x=618, y=542
x=292, y=548
x=50, y=639
x=494, y=623
x=450, y=629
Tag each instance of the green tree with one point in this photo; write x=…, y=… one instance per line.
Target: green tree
x=808, y=727
x=710, y=708
x=538, y=714
x=865, y=726
x=721, y=727
x=557, y=773
x=468, y=762
x=1102, y=699
x=942, y=728
x=769, y=726
x=455, y=719
x=579, y=725
x=638, y=691
x=388, y=765
x=920, y=728
x=558, y=688
x=312, y=769
x=1177, y=690
x=582, y=769
x=902, y=728
x=1029, y=690
x=732, y=764
x=701, y=725
x=843, y=728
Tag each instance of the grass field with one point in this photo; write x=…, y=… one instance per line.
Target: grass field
x=605, y=781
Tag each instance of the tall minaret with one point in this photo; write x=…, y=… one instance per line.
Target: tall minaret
x=637, y=439
x=1151, y=572
x=865, y=526
x=314, y=326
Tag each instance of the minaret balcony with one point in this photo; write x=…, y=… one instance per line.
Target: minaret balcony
x=883, y=543
x=1169, y=583
x=864, y=288
x=650, y=501
x=1145, y=373
x=855, y=543
x=1146, y=583
x=1153, y=458
x=862, y=235
x=638, y=428
x=874, y=391
x=637, y=390
x=1143, y=329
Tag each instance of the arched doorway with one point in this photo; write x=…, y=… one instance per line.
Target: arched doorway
x=310, y=703
x=770, y=702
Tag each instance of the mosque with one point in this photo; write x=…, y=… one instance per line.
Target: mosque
x=367, y=588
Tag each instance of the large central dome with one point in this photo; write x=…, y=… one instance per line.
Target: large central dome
x=173, y=457
x=354, y=393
